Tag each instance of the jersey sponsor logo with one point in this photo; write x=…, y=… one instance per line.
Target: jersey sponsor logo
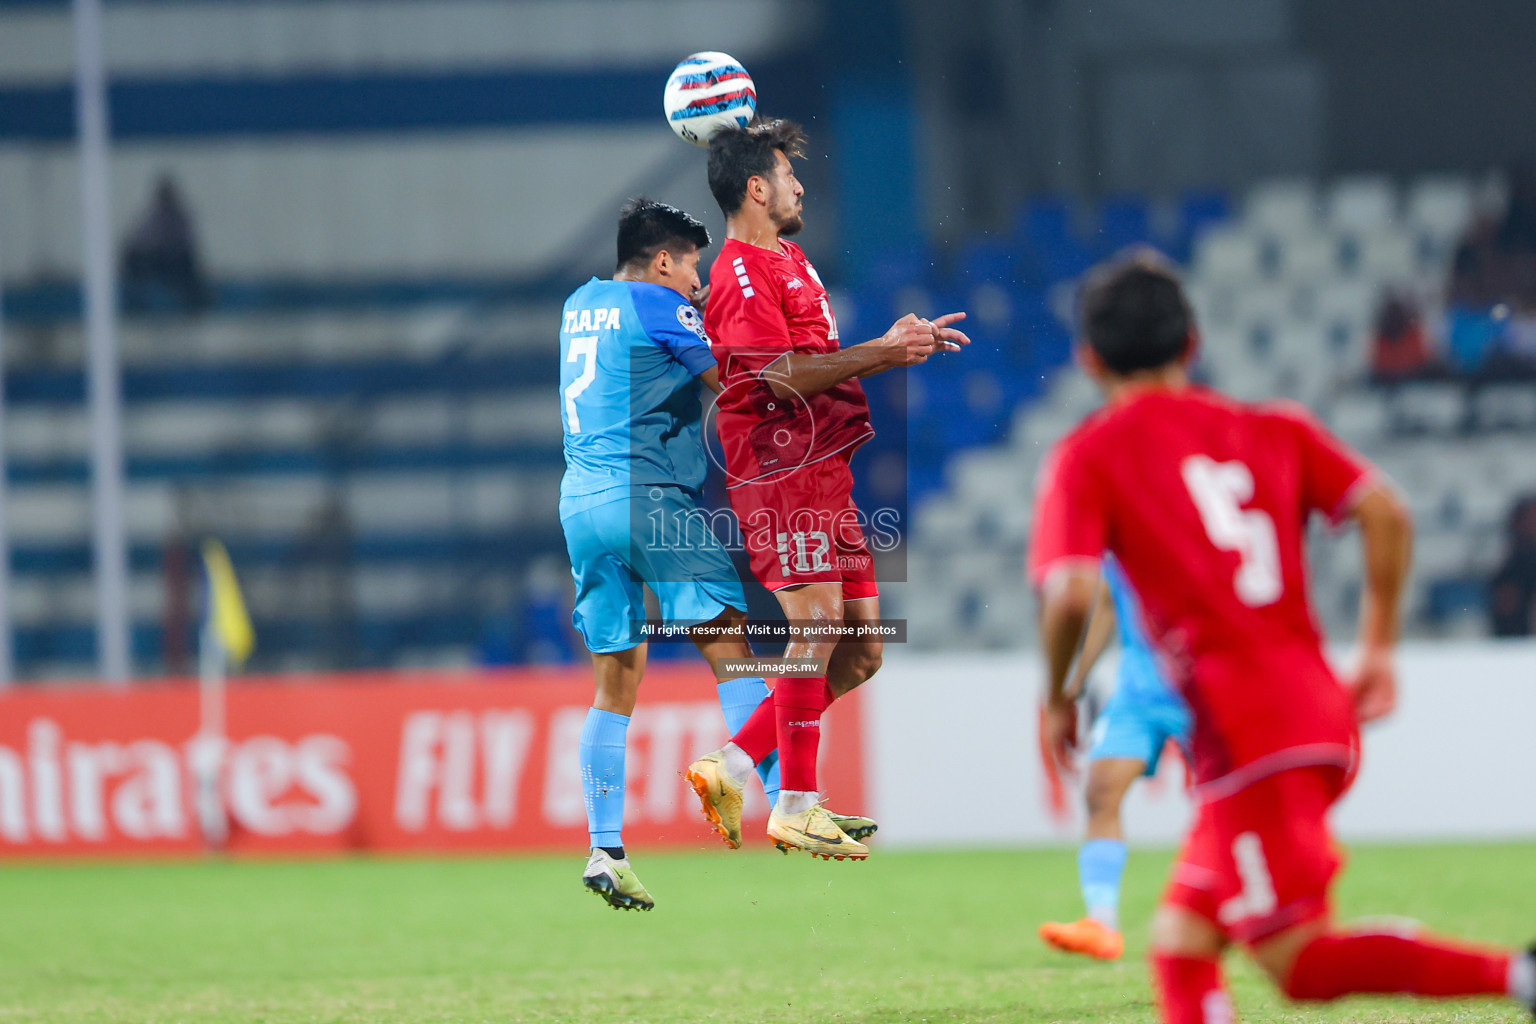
x=591, y=320
x=691, y=320
x=793, y=284
x=740, y=266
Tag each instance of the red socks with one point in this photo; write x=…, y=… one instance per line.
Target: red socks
x=1344, y=962
x=797, y=706
x=1191, y=991
x=759, y=734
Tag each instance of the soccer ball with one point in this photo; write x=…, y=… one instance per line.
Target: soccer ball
x=706, y=92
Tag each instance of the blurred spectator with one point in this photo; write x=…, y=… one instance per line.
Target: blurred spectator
x=1400, y=347
x=1491, y=327
x=1512, y=591
x=160, y=265
x=1470, y=336
x=1517, y=232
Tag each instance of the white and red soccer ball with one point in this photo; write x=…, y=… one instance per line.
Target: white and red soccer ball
x=706, y=92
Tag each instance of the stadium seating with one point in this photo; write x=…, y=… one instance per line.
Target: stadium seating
x=1284, y=292
x=382, y=460
x=383, y=479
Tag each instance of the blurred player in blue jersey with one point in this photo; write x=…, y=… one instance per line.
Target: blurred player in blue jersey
x=1127, y=742
x=633, y=354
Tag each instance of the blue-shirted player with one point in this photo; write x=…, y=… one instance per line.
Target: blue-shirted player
x=1127, y=741
x=633, y=357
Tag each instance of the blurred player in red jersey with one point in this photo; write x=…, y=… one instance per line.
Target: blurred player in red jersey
x=790, y=415
x=1204, y=502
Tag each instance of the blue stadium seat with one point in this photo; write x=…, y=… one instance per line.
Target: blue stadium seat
x=1123, y=221
x=1198, y=210
x=1046, y=233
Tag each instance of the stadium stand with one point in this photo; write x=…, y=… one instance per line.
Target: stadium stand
x=405, y=452
x=365, y=412
x=1284, y=291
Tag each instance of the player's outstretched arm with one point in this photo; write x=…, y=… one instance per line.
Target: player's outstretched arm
x=1386, y=534
x=911, y=340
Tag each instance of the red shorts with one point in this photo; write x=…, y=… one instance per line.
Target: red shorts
x=803, y=527
x=1262, y=859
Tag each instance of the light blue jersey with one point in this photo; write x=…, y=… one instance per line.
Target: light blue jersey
x=1141, y=679
x=630, y=356
x=1145, y=711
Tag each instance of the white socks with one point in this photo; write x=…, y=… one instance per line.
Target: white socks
x=1522, y=979
x=737, y=763
x=1109, y=917
x=794, y=802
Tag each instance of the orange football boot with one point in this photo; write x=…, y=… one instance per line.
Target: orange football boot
x=1088, y=937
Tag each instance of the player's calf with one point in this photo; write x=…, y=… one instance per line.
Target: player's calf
x=852, y=665
x=1402, y=961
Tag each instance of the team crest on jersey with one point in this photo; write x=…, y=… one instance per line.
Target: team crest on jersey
x=690, y=318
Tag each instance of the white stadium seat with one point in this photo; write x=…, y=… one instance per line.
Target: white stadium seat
x=1362, y=204
x=1387, y=256
x=1441, y=205
x=1281, y=207
x=1312, y=257
x=1228, y=255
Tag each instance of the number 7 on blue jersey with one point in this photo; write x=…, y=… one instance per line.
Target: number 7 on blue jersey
x=584, y=347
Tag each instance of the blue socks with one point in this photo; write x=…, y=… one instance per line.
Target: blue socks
x=602, y=759
x=602, y=775
x=1100, y=863
x=738, y=699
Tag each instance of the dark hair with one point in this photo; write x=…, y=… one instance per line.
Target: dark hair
x=1133, y=312
x=737, y=155
x=646, y=227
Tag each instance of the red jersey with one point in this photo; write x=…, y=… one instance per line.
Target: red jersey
x=763, y=304
x=1204, y=501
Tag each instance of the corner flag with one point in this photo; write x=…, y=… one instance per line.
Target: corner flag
x=225, y=608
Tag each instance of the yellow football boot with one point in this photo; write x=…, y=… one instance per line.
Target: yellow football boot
x=720, y=796
x=814, y=831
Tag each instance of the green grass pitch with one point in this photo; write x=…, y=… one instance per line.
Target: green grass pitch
x=735, y=937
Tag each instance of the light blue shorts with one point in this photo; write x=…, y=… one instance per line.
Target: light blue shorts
x=1135, y=727
x=655, y=537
